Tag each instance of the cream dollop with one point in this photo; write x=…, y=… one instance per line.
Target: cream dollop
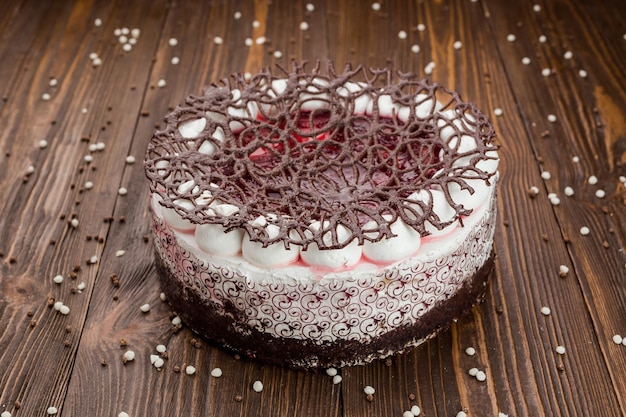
x=332, y=258
x=406, y=242
x=213, y=238
x=272, y=255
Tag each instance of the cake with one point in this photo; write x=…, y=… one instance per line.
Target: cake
x=317, y=218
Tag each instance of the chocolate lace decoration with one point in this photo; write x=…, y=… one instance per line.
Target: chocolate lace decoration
x=293, y=150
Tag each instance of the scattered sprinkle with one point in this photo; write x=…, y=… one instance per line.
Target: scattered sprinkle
x=429, y=68
x=130, y=159
x=568, y=55
x=617, y=339
x=45, y=96
x=376, y=6
x=473, y=371
x=120, y=252
x=510, y=37
x=218, y=40
x=369, y=390
x=43, y=144
x=30, y=169
x=176, y=321
x=190, y=370
x=97, y=22
x=554, y=200
x=93, y=259
x=127, y=47
x=145, y=308
x=545, y=311
x=88, y=158
x=331, y=371
x=622, y=179
x=65, y=310
x=163, y=297
x=81, y=286
x=58, y=279
x=457, y=45
x=257, y=386
x=74, y=223
x=402, y=34
x=575, y=159
x=497, y=111
x=593, y=180
x=560, y=350
x=161, y=83
x=88, y=185
x=53, y=82
x=569, y=191
x=216, y=372
x=470, y=351
x=582, y=73
x=260, y=40
x=563, y=271
x=304, y=26
x=175, y=60
x=407, y=414
x=248, y=42
x=96, y=62
x=600, y=193
x=122, y=191
x=416, y=410
x=415, y=49
x=161, y=348
x=278, y=54
x=237, y=15
x=546, y=72
x=5, y=414
x=52, y=411
x=421, y=27
x=533, y=191
x=542, y=39
x=123, y=414
x=525, y=60
x=461, y=414
x=256, y=24
x=310, y=7
x=481, y=376
x=537, y=8
x=128, y=356
x=173, y=42
x=546, y=175
x=584, y=231
x=135, y=32
x=337, y=379
x=551, y=118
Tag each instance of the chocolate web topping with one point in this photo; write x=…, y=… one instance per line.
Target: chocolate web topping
x=291, y=150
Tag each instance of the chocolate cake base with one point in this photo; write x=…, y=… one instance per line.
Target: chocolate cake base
x=210, y=322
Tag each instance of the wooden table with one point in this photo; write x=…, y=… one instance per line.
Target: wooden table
x=552, y=77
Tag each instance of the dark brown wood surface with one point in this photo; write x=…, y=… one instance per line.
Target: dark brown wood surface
x=74, y=362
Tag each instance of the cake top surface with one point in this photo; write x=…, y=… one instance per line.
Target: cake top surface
x=320, y=156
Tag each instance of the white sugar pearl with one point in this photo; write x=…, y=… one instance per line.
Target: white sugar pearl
x=600, y=193
x=582, y=73
x=237, y=15
x=172, y=41
x=43, y=144
x=593, y=180
x=416, y=411
x=45, y=96
x=304, y=26
x=310, y=7
x=74, y=223
x=93, y=259
x=260, y=40
x=575, y=159
x=537, y=8
x=65, y=310
x=81, y=286
x=584, y=231
x=257, y=386
x=510, y=37
x=421, y=27
x=145, y=308
x=122, y=39
x=97, y=22
x=569, y=191
x=542, y=39
x=218, y=40
x=568, y=55
x=125, y=31
x=407, y=414
x=402, y=34
x=278, y=54
x=545, y=311
x=176, y=321
x=461, y=414
x=190, y=370
x=497, y=111
x=96, y=62
x=175, y=60
x=58, y=279
x=129, y=356
x=473, y=371
x=127, y=47
x=161, y=83
x=248, y=42
x=331, y=371
x=376, y=6
x=53, y=82
x=481, y=376
x=617, y=339
x=216, y=373
x=563, y=270
x=560, y=350
x=120, y=252
x=551, y=118
x=163, y=297
x=546, y=175
x=415, y=49
x=457, y=45
x=525, y=60
x=470, y=351
x=369, y=390
x=123, y=414
x=337, y=379
x=122, y=191
x=546, y=72
x=52, y=411
x=256, y=24
x=161, y=348
x=135, y=32
x=130, y=159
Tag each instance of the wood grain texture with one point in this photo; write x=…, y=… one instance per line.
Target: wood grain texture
x=74, y=362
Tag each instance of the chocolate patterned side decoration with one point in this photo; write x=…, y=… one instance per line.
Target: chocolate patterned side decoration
x=309, y=148
x=352, y=307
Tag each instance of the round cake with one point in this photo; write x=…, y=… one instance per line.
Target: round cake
x=316, y=218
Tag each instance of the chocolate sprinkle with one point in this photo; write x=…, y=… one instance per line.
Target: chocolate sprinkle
x=295, y=163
